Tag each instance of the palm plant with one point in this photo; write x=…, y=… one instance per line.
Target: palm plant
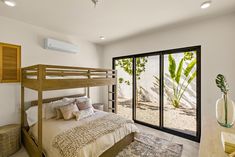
x=179, y=85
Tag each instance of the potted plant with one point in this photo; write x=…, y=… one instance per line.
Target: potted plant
x=225, y=109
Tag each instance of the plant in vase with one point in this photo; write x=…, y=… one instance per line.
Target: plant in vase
x=225, y=109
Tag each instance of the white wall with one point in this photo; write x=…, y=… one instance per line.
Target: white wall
x=217, y=38
x=31, y=39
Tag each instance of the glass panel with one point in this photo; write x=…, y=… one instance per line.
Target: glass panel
x=180, y=92
x=147, y=89
x=124, y=100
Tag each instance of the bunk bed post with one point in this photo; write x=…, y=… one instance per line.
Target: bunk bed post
x=88, y=88
x=40, y=123
x=87, y=91
x=22, y=107
x=22, y=100
x=41, y=77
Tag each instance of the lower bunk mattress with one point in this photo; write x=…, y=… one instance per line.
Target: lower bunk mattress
x=89, y=137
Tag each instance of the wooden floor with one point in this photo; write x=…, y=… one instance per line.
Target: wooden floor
x=190, y=148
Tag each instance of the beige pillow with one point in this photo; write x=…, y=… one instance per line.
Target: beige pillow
x=59, y=114
x=50, y=110
x=82, y=114
x=77, y=115
x=83, y=105
x=67, y=110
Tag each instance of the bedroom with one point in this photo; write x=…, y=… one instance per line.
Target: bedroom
x=129, y=30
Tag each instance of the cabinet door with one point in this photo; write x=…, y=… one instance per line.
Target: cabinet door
x=10, y=63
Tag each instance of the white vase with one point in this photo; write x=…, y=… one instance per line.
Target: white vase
x=225, y=113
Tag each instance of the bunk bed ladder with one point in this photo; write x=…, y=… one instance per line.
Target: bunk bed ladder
x=112, y=98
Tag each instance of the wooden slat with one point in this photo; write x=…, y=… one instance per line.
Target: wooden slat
x=33, y=67
x=71, y=67
x=56, y=84
x=65, y=73
x=79, y=70
x=75, y=74
x=35, y=102
x=30, y=83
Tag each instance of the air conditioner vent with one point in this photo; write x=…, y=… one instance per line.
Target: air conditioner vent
x=60, y=46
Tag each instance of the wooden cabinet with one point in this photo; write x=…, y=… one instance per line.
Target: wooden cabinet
x=10, y=63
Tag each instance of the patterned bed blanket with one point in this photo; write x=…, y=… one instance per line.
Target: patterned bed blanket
x=71, y=141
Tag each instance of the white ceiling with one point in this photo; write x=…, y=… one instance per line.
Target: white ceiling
x=113, y=19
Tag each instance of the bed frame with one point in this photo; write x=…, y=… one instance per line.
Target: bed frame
x=51, y=77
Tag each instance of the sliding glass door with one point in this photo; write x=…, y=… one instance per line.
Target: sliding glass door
x=147, y=89
x=162, y=90
x=180, y=92
x=124, y=66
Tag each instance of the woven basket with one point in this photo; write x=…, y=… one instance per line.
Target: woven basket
x=9, y=139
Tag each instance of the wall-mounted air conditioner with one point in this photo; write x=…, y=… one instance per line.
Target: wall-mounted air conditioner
x=60, y=46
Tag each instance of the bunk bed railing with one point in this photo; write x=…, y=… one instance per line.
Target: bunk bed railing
x=54, y=77
x=51, y=71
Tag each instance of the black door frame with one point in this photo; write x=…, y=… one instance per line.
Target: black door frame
x=161, y=116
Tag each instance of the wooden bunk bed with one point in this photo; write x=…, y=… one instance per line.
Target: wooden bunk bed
x=50, y=77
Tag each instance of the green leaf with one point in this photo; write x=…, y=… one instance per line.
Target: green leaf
x=120, y=80
x=188, y=56
x=172, y=66
x=126, y=65
x=127, y=82
x=179, y=71
x=221, y=83
x=192, y=77
x=190, y=67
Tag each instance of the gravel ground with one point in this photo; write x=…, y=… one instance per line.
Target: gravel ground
x=181, y=119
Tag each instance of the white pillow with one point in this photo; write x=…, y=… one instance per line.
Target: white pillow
x=50, y=111
x=84, y=113
x=84, y=99
x=32, y=114
x=68, y=100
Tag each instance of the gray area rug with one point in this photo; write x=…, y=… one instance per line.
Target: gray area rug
x=147, y=145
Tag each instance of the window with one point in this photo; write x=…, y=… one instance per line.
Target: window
x=162, y=90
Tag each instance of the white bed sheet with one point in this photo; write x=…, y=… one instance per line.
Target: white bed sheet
x=53, y=127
